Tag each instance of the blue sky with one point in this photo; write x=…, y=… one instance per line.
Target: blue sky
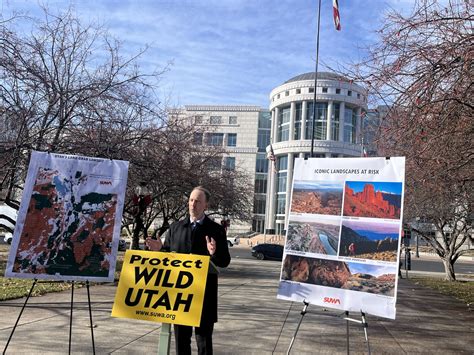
x=388, y=187
x=319, y=185
x=373, y=230
x=229, y=51
x=374, y=270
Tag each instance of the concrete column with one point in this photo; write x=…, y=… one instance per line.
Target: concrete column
x=342, y=108
x=292, y=121
x=224, y=139
x=275, y=125
x=304, y=106
x=329, y=120
x=358, y=125
x=289, y=181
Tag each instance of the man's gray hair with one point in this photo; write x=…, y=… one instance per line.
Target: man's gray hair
x=206, y=192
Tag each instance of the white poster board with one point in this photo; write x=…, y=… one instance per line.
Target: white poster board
x=68, y=225
x=343, y=234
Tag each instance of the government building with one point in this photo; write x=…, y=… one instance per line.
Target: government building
x=248, y=134
x=340, y=107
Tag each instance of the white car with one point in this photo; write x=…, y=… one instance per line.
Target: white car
x=8, y=238
x=231, y=241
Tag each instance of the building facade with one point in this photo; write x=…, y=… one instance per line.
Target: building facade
x=244, y=134
x=340, y=106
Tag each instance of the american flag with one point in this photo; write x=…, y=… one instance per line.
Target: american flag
x=335, y=12
x=271, y=156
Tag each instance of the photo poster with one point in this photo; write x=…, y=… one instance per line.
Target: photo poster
x=68, y=225
x=342, y=244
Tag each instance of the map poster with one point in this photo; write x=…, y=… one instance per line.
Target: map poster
x=68, y=225
x=342, y=245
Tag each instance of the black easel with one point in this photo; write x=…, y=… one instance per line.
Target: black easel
x=70, y=315
x=303, y=312
x=363, y=322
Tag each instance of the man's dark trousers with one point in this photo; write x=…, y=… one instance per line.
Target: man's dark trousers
x=203, y=335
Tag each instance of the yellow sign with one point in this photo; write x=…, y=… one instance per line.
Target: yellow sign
x=161, y=287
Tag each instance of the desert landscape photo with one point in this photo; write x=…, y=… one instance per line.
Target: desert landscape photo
x=376, y=279
x=372, y=199
x=317, y=197
x=369, y=240
x=314, y=237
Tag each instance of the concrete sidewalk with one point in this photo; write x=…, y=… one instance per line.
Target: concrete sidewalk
x=251, y=321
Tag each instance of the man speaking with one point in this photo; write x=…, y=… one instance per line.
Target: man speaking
x=197, y=234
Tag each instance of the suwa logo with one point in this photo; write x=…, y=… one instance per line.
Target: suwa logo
x=332, y=300
x=102, y=182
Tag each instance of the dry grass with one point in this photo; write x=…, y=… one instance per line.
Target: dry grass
x=462, y=290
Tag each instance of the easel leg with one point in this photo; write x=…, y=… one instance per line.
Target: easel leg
x=19, y=316
x=303, y=312
x=70, y=316
x=90, y=316
x=365, y=325
x=347, y=332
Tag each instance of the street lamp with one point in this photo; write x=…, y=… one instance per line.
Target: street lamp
x=141, y=199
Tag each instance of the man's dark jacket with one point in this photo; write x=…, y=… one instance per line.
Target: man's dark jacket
x=181, y=238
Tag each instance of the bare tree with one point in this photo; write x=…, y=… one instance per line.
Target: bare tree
x=171, y=164
x=65, y=87
x=422, y=68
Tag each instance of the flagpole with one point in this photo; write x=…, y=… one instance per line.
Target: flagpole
x=315, y=80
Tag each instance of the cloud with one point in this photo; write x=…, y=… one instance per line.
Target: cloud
x=233, y=51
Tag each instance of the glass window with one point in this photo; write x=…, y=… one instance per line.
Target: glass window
x=287, y=93
x=197, y=119
x=298, y=112
x=311, y=90
x=214, y=163
x=282, y=163
x=263, y=139
x=215, y=120
x=349, y=93
x=261, y=184
x=350, y=120
x=335, y=122
x=215, y=139
x=281, y=203
x=265, y=120
x=232, y=140
x=197, y=138
x=262, y=164
x=325, y=90
x=284, y=124
x=278, y=96
x=320, y=122
x=229, y=163
x=338, y=91
x=232, y=119
x=281, y=183
x=259, y=205
x=298, y=91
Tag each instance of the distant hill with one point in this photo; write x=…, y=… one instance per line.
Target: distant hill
x=364, y=245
